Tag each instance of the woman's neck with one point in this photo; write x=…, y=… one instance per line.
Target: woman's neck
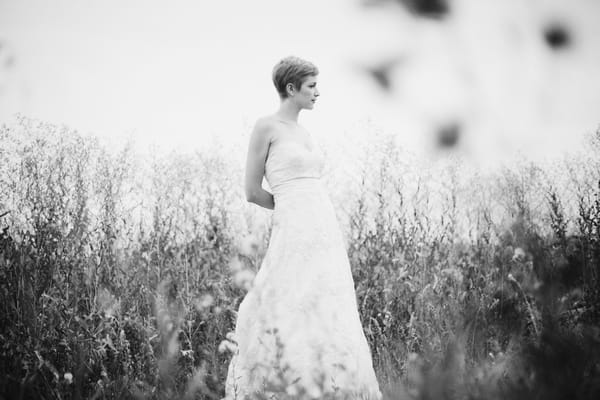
x=288, y=112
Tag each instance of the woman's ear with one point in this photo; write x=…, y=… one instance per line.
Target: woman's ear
x=290, y=89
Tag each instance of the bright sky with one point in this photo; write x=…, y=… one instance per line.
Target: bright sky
x=174, y=73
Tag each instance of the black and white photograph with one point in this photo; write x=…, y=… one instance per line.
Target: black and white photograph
x=300, y=200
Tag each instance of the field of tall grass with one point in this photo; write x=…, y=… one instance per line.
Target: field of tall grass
x=121, y=274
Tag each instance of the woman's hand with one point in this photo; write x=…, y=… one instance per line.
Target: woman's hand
x=258, y=148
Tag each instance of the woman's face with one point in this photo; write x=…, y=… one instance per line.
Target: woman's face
x=308, y=93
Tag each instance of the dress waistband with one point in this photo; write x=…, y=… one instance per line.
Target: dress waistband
x=297, y=185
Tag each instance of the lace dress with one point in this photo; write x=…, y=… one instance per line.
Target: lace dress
x=298, y=330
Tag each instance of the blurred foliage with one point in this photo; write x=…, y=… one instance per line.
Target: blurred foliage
x=120, y=276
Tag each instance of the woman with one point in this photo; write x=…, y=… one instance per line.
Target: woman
x=298, y=330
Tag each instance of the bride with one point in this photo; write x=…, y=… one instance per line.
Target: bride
x=298, y=331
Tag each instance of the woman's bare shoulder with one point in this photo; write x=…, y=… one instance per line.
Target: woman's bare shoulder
x=266, y=127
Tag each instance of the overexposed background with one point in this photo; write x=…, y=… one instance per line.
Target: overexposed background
x=487, y=78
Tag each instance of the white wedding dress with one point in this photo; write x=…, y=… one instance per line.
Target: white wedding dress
x=298, y=330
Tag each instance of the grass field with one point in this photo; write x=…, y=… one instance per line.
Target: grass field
x=120, y=275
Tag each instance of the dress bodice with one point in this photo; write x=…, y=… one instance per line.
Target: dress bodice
x=289, y=161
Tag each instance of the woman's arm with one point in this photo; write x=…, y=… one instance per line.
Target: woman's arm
x=258, y=148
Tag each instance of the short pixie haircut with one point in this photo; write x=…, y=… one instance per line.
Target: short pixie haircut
x=292, y=70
